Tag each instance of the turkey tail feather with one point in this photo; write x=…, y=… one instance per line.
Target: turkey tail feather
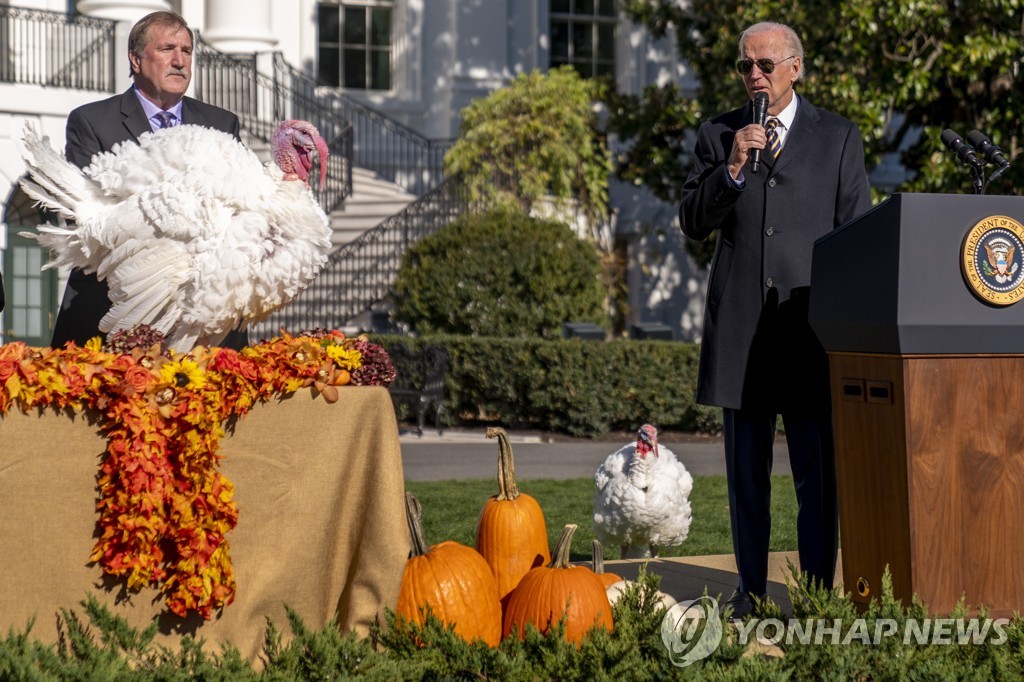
x=56, y=183
x=45, y=197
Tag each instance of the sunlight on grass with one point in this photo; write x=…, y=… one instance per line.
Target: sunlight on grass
x=451, y=508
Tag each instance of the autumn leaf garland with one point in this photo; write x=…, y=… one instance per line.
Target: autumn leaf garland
x=165, y=508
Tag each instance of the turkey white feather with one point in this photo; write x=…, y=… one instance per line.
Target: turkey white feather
x=193, y=235
x=642, y=498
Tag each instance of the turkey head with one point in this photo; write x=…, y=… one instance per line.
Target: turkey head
x=640, y=467
x=292, y=147
x=646, y=441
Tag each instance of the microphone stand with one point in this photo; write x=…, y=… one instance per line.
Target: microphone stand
x=978, y=179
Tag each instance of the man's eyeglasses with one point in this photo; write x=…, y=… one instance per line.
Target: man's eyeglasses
x=745, y=66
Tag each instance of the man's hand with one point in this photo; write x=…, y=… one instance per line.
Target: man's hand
x=746, y=140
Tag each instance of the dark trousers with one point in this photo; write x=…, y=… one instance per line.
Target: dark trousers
x=748, y=463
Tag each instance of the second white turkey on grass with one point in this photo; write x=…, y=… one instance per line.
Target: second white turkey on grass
x=642, y=498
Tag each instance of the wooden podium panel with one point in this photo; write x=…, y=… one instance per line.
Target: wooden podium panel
x=930, y=467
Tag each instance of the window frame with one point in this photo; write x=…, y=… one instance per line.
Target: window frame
x=368, y=48
x=595, y=21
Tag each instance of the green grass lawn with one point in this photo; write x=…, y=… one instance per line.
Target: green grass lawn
x=451, y=508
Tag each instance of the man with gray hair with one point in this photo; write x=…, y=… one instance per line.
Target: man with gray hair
x=759, y=357
x=160, y=53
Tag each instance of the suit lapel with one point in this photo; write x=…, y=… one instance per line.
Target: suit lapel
x=191, y=114
x=800, y=139
x=133, y=116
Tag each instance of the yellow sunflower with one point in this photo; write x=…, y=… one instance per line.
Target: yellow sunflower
x=184, y=373
x=345, y=358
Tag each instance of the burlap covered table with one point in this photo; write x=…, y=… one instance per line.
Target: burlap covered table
x=321, y=523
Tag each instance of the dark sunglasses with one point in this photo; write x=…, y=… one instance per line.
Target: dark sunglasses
x=745, y=66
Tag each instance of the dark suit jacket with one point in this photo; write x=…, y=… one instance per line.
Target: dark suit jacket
x=758, y=351
x=93, y=128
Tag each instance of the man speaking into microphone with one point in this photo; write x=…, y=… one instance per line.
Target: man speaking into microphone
x=759, y=357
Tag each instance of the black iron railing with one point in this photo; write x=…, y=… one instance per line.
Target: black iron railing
x=362, y=273
x=261, y=103
x=50, y=48
x=380, y=144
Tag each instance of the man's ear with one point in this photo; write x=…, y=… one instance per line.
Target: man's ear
x=136, y=63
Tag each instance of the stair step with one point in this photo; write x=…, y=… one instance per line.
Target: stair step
x=360, y=223
x=358, y=208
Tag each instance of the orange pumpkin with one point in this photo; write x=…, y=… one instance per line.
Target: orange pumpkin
x=606, y=578
x=453, y=580
x=546, y=593
x=511, y=534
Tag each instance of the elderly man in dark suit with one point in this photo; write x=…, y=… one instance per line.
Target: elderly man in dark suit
x=759, y=357
x=160, y=52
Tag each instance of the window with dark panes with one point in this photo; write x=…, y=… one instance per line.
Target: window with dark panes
x=354, y=41
x=583, y=35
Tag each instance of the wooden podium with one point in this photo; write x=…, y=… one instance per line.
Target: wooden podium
x=928, y=397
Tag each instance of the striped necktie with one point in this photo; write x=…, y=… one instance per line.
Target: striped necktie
x=774, y=143
x=166, y=119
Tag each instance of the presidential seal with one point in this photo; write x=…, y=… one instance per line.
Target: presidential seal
x=992, y=260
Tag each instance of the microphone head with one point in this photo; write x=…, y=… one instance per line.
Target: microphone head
x=949, y=138
x=760, y=107
x=988, y=149
x=977, y=139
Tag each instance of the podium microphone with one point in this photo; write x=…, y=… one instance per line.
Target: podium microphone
x=991, y=152
x=760, y=105
x=963, y=150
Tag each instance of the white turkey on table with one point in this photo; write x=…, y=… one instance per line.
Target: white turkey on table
x=642, y=498
x=193, y=235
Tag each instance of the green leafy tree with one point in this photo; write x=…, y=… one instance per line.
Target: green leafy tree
x=501, y=273
x=902, y=70
x=535, y=138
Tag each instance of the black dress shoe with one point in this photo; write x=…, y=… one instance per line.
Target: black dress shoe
x=741, y=603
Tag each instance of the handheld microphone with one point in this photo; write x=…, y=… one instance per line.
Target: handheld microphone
x=760, y=106
x=984, y=145
x=964, y=151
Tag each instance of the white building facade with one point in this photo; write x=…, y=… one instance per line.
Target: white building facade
x=416, y=62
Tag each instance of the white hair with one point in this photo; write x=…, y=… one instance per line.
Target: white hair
x=792, y=40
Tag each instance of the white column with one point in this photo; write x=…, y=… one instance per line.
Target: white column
x=122, y=10
x=236, y=26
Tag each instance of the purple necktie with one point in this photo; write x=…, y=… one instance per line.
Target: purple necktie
x=166, y=119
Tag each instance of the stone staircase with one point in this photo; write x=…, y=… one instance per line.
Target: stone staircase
x=373, y=200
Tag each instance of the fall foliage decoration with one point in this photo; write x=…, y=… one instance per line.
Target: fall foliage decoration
x=606, y=578
x=511, y=534
x=165, y=508
x=547, y=593
x=451, y=580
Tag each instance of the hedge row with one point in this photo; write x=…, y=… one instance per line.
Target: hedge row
x=582, y=388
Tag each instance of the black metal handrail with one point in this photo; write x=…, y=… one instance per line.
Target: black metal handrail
x=261, y=103
x=361, y=274
x=391, y=150
x=53, y=49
